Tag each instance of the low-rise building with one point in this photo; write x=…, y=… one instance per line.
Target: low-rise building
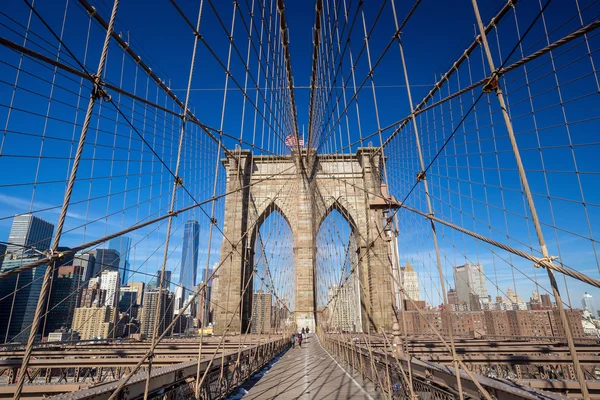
x=470, y=324
x=62, y=336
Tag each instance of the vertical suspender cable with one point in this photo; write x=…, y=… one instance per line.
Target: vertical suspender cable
x=96, y=93
x=177, y=181
x=422, y=178
x=531, y=205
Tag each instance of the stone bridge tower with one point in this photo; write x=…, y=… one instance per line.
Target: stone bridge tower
x=304, y=188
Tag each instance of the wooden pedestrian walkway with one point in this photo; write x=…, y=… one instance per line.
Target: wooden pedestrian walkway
x=308, y=373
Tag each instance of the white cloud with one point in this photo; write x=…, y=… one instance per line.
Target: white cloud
x=25, y=205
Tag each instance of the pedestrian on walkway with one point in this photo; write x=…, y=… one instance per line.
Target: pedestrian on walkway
x=300, y=339
x=293, y=340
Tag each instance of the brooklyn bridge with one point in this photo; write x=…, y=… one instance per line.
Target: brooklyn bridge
x=317, y=199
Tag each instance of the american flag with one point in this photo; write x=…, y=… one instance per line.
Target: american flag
x=291, y=141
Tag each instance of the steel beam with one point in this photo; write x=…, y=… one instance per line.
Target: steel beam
x=174, y=371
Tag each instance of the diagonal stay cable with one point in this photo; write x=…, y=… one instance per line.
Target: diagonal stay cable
x=132, y=228
x=493, y=77
x=107, y=97
x=369, y=73
x=190, y=301
x=225, y=68
x=562, y=268
x=125, y=46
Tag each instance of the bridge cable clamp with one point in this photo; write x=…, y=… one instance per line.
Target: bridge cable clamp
x=51, y=256
x=548, y=259
x=98, y=91
x=421, y=176
x=492, y=83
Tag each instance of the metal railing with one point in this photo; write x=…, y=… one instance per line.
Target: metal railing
x=389, y=374
x=221, y=376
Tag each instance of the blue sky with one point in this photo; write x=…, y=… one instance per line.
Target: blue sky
x=473, y=182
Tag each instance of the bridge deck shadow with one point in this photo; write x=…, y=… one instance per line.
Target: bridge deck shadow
x=308, y=373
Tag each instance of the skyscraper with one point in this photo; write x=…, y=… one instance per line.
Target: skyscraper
x=105, y=260
x=261, y=312
x=151, y=308
x=410, y=281
x=94, y=322
x=187, y=319
x=204, y=300
x=179, y=298
x=204, y=276
x=131, y=298
x=109, y=281
x=92, y=296
x=587, y=303
x=213, y=304
x=470, y=284
x=155, y=282
x=19, y=294
x=546, y=301
x=342, y=305
x=122, y=244
x=189, y=257
x=453, y=299
x=28, y=230
x=86, y=262
x=63, y=300
x=203, y=306
x=2, y=252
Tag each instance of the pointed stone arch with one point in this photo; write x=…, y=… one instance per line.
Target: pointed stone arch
x=343, y=207
x=261, y=185
x=265, y=212
x=267, y=207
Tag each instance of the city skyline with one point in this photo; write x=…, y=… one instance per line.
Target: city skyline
x=504, y=290
x=491, y=279
x=110, y=257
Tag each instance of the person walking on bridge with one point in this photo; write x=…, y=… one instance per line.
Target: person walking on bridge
x=300, y=337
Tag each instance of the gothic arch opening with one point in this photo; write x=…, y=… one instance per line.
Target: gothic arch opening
x=343, y=209
x=336, y=282
x=271, y=257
